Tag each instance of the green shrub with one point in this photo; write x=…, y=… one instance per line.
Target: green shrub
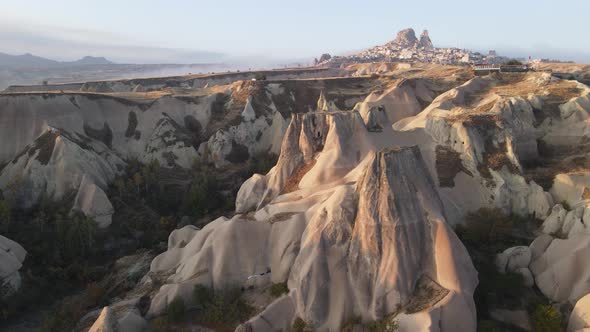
x=299, y=325
x=160, y=324
x=545, y=318
x=351, y=322
x=175, y=310
x=385, y=325
x=202, y=295
x=513, y=62
x=279, y=289
x=487, y=326
x=262, y=163
x=485, y=226
x=227, y=307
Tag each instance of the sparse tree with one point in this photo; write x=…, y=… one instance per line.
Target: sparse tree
x=137, y=180
x=513, y=62
x=120, y=185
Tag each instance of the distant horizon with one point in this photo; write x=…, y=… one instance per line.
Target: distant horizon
x=150, y=32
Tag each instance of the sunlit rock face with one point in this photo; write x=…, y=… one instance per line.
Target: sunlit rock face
x=354, y=230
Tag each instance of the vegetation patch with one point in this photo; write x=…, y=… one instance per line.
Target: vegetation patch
x=238, y=154
x=545, y=318
x=220, y=307
x=175, y=311
x=194, y=126
x=279, y=289
x=131, y=124
x=299, y=325
x=279, y=217
x=485, y=233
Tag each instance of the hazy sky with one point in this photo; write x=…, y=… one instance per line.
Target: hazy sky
x=196, y=31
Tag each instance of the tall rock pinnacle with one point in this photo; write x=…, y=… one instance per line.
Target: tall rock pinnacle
x=425, y=41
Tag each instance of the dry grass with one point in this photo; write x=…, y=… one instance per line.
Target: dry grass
x=292, y=183
x=426, y=294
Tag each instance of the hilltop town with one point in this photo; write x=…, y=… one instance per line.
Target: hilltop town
x=406, y=47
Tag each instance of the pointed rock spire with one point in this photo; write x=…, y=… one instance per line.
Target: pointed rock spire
x=105, y=322
x=425, y=41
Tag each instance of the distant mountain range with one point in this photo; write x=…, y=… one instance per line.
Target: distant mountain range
x=30, y=60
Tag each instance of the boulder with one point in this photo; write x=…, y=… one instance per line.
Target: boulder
x=580, y=317
x=539, y=201
x=92, y=201
x=573, y=221
x=12, y=255
x=527, y=276
x=570, y=187
x=539, y=245
x=180, y=237
x=560, y=272
x=554, y=223
x=513, y=259
x=250, y=193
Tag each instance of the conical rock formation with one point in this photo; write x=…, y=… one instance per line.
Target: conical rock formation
x=355, y=233
x=105, y=322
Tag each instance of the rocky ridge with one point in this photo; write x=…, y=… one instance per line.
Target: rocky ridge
x=372, y=173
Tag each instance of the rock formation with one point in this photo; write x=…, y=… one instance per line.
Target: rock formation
x=405, y=38
x=355, y=216
x=105, y=322
x=425, y=41
x=92, y=201
x=325, y=57
x=335, y=214
x=579, y=319
x=55, y=164
x=12, y=256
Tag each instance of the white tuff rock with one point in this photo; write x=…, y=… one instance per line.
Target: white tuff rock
x=12, y=255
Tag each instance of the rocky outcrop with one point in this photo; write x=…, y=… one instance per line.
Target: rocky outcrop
x=405, y=38
x=325, y=57
x=425, y=41
x=12, y=255
x=516, y=260
x=92, y=201
x=496, y=137
x=559, y=272
x=571, y=188
x=105, y=322
x=579, y=319
x=355, y=231
x=55, y=165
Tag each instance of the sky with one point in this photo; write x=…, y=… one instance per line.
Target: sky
x=183, y=31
